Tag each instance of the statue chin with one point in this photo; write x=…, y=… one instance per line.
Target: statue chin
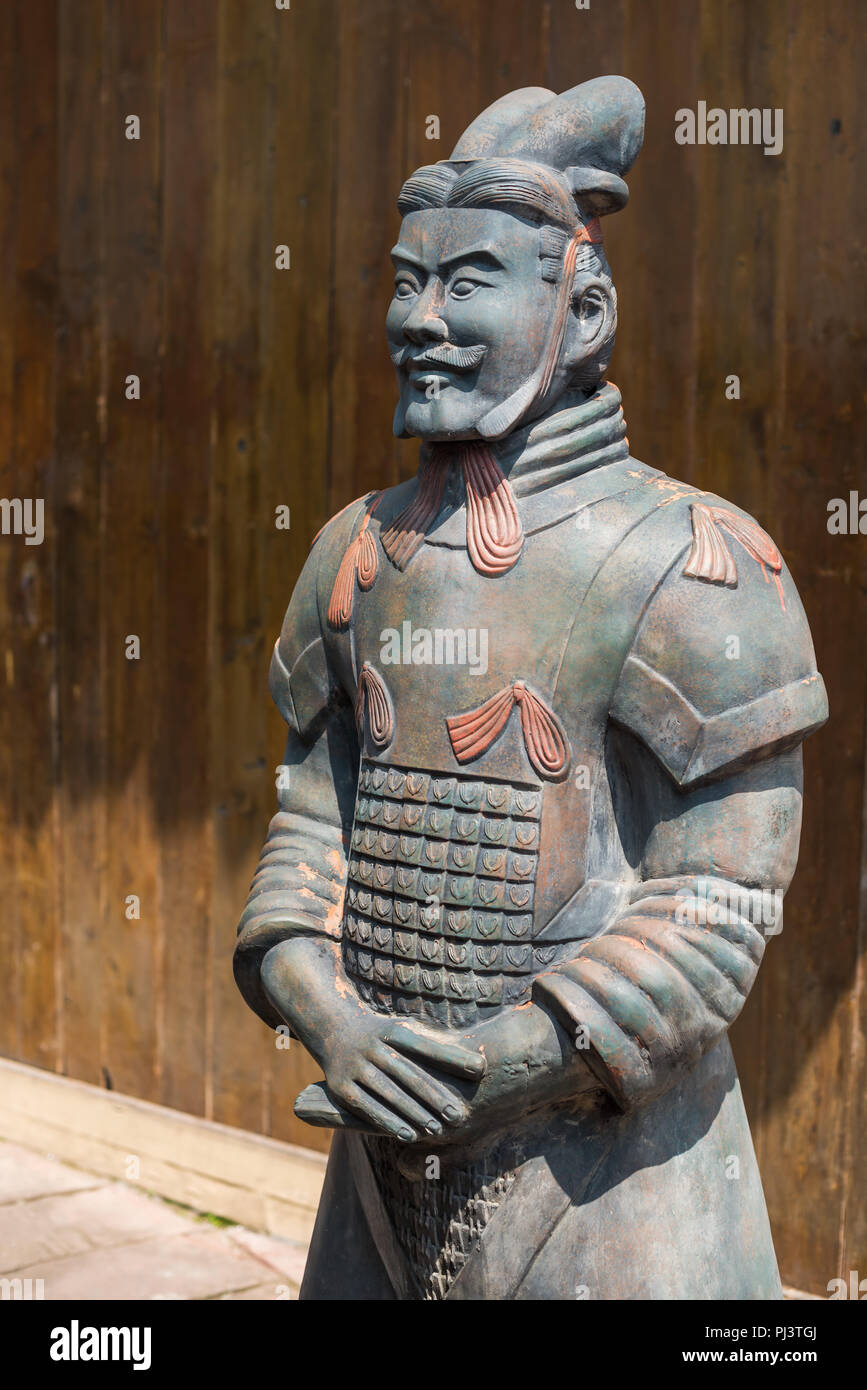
x=457, y=414
x=439, y=420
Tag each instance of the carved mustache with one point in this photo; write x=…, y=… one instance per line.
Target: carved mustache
x=459, y=359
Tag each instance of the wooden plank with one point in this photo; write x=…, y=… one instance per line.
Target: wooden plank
x=812, y=1053
x=10, y=937
x=80, y=439
x=243, y=1177
x=830, y=449
x=512, y=48
x=240, y=528
x=440, y=63
x=652, y=243
x=32, y=585
x=853, y=1218
x=294, y=463
x=371, y=166
x=584, y=43
x=130, y=946
x=182, y=759
x=736, y=298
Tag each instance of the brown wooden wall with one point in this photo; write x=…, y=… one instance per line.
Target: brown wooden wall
x=262, y=387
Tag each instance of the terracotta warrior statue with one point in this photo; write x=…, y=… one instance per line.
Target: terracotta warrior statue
x=545, y=708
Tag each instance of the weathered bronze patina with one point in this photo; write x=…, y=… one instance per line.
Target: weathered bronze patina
x=545, y=708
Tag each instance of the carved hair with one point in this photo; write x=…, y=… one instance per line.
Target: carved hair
x=527, y=190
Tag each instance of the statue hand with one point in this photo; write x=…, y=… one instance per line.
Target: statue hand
x=530, y=1061
x=380, y=1070
x=374, y=1065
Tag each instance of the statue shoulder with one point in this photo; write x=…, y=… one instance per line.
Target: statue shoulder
x=722, y=669
x=330, y=541
x=300, y=678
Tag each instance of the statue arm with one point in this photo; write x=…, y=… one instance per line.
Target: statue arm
x=639, y=1004
x=704, y=750
x=288, y=959
x=704, y=765
x=298, y=887
x=650, y=995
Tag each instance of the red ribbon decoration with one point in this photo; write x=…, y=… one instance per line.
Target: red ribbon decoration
x=472, y=734
x=495, y=536
x=373, y=695
x=710, y=558
x=403, y=537
x=358, y=562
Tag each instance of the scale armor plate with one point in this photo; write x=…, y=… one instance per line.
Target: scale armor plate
x=439, y=1222
x=438, y=921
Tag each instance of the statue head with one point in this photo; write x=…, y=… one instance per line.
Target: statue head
x=503, y=297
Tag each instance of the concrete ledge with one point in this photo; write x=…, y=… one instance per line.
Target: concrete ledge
x=260, y=1183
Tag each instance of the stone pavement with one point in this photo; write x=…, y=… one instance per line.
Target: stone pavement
x=89, y=1238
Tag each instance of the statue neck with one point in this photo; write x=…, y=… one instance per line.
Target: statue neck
x=578, y=433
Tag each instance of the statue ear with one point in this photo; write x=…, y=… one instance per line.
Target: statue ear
x=592, y=320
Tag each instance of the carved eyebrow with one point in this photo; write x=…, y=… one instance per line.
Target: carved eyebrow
x=477, y=254
x=480, y=255
x=399, y=253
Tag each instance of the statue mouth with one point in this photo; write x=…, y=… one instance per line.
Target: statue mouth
x=448, y=356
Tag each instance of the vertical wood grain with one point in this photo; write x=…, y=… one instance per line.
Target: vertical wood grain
x=130, y=527
x=651, y=244
x=181, y=759
x=810, y=1148
x=364, y=454
x=239, y=527
x=10, y=935
x=294, y=454
x=31, y=589
x=83, y=795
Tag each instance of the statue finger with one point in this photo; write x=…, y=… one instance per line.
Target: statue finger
x=316, y=1107
x=433, y=1093
x=376, y=1080
x=451, y=1057
x=379, y=1115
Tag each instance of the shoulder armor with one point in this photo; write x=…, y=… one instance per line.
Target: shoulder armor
x=300, y=679
x=722, y=669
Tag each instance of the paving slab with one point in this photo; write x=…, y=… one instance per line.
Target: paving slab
x=286, y=1257
x=84, y=1237
x=51, y=1228
x=198, y=1264
x=24, y=1174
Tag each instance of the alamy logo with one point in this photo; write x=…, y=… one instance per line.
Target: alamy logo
x=22, y=1289
x=738, y=126
x=856, y=1287
x=847, y=517
x=76, y=1343
x=718, y=904
x=23, y=516
x=440, y=646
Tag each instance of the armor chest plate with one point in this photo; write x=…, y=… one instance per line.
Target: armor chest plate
x=440, y=897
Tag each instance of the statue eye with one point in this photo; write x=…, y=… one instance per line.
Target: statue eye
x=462, y=289
x=405, y=288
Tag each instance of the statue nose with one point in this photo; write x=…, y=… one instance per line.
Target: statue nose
x=423, y=324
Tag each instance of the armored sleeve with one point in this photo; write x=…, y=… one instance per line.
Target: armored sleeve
x=717, y=693
x=722, y=670
x=298, y=887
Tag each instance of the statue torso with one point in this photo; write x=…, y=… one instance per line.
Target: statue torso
x=459, y=869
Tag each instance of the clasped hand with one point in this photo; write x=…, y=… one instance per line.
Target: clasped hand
x=385, y=1072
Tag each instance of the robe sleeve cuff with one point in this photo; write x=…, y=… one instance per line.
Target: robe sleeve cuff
x=298, y=890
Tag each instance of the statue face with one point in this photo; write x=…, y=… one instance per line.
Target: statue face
x=469, y=319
